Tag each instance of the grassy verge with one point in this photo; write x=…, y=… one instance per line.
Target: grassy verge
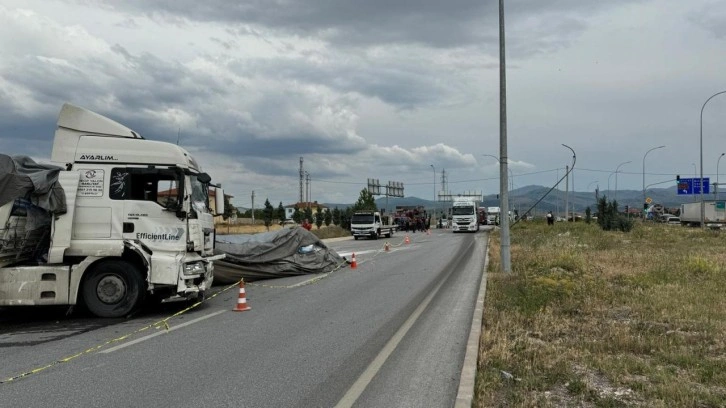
x=605, y=319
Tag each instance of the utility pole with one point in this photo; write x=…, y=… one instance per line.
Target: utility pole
x=307, y=189
x=567, y=192
x=253, y=207
x=505, y=253
x=302, y=174
x=574, y=194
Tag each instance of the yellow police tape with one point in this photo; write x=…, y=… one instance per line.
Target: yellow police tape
x=165, y=322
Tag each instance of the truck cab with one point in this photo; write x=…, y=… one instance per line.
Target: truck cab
x=464, y=215
x=138, y=222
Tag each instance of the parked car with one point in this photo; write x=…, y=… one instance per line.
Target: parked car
x=673, y=220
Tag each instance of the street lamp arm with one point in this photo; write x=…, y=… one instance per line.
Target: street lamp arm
x=644, y=156
x=524, y=215
x=703, y=205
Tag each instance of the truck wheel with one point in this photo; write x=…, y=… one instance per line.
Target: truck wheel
x=355, y=237
x=376, y=234
x=113, y=289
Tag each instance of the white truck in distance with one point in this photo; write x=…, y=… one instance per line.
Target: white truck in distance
x=714, y=213
x=370, y=224
x=133, y=221
x=464, y=214
x=493, y=215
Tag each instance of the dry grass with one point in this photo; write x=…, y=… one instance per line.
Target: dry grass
x=324, y=232
x=604, y=319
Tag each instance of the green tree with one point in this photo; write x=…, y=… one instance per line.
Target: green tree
x=319, y=217
x=267, y=213
x=229, y=209
x=308, y=214
x=336, y=216
x=328, y=218
x=609, y=219
x=365, y=202
x=297, y=215
x=345, y=217
x=280, y=212
x=588, y=215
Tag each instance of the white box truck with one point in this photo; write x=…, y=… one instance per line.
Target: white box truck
x=114, y=219
x=464, y=214
x=493, y=215
x=714, y=213
x=370, y=224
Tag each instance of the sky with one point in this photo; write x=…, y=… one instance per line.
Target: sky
x=402, y=91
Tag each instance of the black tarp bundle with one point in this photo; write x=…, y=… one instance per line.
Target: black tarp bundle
x=21, y=177
x=275, y=254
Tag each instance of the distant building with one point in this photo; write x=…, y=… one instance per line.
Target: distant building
x=290, y=209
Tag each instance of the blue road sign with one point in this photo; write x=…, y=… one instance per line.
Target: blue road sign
x=697, y=185
x=685, y=186
x=688, y=186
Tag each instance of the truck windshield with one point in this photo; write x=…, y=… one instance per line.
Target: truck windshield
x=362, y=219
x=200, y=195
x=462, y=211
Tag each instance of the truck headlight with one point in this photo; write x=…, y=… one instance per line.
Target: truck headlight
x=195, y=268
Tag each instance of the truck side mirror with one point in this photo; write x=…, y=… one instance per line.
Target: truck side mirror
x=219, y=201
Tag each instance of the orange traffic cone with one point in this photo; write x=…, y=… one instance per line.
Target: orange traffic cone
x=353, y=263
x=387, y=246
x=242, y=299
x=407, y=241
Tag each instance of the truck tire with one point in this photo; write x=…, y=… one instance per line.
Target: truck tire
x=390, y=234
x=376, y=234
x=113, y=288
x=355, y=237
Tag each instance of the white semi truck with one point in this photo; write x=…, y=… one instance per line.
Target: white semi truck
x=464, y=214
x=115, y=219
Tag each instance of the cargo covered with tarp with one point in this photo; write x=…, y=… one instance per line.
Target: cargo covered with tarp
x=29, y=196
x=275, y=254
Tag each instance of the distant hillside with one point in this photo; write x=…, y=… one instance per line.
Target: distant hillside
x=525, y=197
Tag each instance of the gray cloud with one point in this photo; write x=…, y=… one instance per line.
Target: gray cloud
x=434, y=23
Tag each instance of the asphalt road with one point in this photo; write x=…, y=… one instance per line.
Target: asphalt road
x=391, y=332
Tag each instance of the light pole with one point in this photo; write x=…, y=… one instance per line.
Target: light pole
x=574, y=159
x=695, y=176
x=703, y=206
x=511, y=176
x=596, y=189
x=717, y=163
x=611, y=174
x=646, y=154
x=616, y=178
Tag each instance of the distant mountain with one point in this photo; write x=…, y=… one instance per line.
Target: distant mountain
x=524, y=198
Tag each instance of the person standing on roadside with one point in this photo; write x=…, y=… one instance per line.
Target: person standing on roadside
x=550, y=218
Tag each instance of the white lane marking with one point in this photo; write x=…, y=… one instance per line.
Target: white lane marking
x=374, y=367
x=367, y=251
x=160, y=332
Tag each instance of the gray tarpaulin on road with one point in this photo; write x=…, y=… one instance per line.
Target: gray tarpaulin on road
x=275, y=254
x=21, y=177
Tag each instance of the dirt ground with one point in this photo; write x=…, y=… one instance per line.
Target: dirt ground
x=225, y=229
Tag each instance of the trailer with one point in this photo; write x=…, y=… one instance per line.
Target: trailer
x=714, y=213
